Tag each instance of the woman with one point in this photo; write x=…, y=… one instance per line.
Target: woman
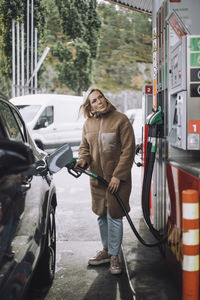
x=107, y=148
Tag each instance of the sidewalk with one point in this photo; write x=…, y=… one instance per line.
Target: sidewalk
x=148, y=272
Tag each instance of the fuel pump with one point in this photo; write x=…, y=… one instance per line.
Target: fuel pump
x=177, y=164
x=184, y=94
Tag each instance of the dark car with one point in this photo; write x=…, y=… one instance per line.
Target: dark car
x=27, y=207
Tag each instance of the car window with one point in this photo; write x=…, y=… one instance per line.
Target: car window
x=19, y=121
x=48, y=114
x=28, y=112
x=10, y=123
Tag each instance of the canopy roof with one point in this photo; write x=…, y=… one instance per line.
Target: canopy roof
x=144, y=6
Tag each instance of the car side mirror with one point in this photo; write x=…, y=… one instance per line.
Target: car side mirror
x=60, y=158
x=15, y=157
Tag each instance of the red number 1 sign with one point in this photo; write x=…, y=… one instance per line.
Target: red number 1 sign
x=194, y=126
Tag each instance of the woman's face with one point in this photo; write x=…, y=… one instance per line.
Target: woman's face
x=98, y=102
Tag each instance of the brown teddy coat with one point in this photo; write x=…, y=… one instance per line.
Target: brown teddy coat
x=108, y=146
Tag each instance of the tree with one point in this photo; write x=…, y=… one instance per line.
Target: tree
x=17, y=10
x=81, y=26
x=125, y=41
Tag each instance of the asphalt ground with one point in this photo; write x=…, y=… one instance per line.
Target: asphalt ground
x=148, y=272
x=145, y=273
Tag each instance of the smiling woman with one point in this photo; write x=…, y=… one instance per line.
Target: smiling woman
x=107, y=147
x=98, y=103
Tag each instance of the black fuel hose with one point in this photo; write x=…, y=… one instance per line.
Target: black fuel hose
x=146, y=169
x=120, y=202
x=146, y=186
x=145, y=197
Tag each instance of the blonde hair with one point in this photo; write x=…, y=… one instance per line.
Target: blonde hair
x=85, y=108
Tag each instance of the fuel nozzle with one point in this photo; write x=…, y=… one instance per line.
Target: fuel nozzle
x=155, y=122
x=71, y=163
x=155, y=118
x=71, y=168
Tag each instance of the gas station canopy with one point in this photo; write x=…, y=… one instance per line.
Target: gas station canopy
x=144, y=6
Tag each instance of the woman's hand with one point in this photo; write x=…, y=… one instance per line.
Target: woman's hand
x=113, y=184
x=80, y=163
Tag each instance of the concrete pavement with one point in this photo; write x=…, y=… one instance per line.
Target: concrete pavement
x=78, y=239
x=148, y=271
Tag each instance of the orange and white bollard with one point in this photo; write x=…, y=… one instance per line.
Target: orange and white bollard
x=190, y=227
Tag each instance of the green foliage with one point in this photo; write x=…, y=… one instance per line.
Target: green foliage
x=125, y=41
x=53, y=26
x=93, y=25
x=75, y=70
x=16, y=10
x=81, y=25
x=71, y=13
x=108, y=43
x=8, y=10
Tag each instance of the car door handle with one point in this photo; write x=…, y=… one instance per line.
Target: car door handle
x=25, y=186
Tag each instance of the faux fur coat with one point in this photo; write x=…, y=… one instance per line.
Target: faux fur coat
x=108, y=146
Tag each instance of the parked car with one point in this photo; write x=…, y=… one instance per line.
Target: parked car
x=27, y=207
x=51, y=119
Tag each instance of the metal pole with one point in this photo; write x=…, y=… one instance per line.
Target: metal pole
x=155, y=7
x=159, y=206
x=44, y=54
x=22, y=59
x=32, y=45
x=18, y=60
x=27, y=55
x=13, y=58
x=36, y=32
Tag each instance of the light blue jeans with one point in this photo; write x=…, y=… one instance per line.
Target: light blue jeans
x=111, y=231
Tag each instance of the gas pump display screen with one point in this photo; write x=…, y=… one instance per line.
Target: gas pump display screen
x=195, y=74
x=194, y=90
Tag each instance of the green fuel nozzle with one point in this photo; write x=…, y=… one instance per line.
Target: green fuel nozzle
x=71, y=163
x=76, y=172
x=156, y=118
x=155, y=123
x=71, y=168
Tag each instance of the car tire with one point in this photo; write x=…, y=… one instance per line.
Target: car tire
x=45, y=270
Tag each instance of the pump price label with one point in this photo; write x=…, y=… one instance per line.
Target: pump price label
x=194, y=126
x=194, y=59
x=195, y=44
x=195, y=74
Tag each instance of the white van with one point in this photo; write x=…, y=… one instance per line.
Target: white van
x=52, y=119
